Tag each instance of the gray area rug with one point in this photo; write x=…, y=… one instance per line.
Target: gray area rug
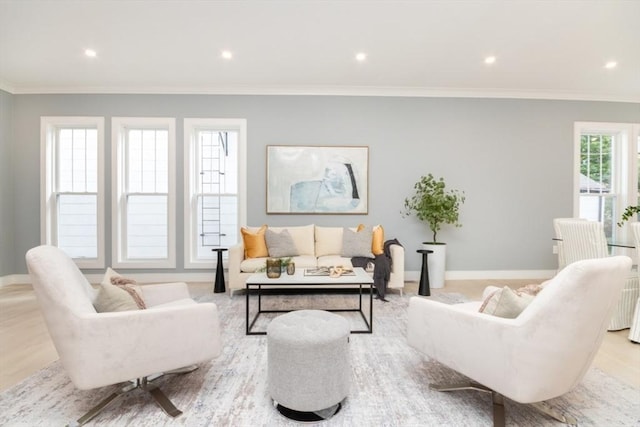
x=389, y=384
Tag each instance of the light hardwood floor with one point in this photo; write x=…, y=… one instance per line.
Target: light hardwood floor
x=25, y=345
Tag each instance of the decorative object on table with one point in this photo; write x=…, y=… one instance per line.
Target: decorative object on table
x=317, y=179
x=423, y=287
x=630, y=211
x=291, y=268
x=219, y=286
x=274, y=268
x=334, y=271
x=435, y=205
x=284, y=263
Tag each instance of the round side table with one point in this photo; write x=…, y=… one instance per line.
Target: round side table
x=219, y=287
x=423, y=288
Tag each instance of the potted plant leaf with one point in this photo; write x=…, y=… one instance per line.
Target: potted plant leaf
x=434, y=204
x=629, y=212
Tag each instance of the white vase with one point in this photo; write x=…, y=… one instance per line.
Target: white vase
x=436, y=262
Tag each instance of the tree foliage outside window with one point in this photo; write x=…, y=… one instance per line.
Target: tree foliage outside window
x=596, y=158
x=595, y=161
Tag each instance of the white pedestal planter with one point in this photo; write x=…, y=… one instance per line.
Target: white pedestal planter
x=436, y=262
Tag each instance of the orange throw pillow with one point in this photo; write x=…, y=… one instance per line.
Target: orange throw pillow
x=377, y=243
x=255, y=245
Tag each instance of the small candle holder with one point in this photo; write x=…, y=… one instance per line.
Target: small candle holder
x=274, y=268
x=291, y=268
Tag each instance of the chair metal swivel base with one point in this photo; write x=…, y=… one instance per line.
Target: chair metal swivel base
x=145, y=384
x=498, y=403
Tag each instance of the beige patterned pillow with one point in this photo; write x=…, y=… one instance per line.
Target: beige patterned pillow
x=506, y=303
x=128, y=285
x=114, y=298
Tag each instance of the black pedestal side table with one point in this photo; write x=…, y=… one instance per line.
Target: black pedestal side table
x=219, y=283
x=423, y=289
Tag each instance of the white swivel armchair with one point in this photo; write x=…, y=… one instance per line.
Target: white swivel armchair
x=586, y=240
x=100, y=349
x=541, y=354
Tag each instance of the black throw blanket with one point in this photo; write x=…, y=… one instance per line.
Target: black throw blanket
x=381, y=267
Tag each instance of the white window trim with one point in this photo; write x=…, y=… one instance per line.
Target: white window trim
x=48, y=235
x=118, y=128
x=190, y=212
x=630, y=132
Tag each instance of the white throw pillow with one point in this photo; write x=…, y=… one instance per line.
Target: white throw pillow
x=328, y=241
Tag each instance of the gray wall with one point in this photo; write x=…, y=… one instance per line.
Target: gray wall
x=513, y=159
x=7, y=264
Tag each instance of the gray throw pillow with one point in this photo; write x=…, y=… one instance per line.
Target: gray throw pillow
x=280, y=244
x=357, y=244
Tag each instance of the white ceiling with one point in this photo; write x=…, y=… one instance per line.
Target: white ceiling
x=544, y=49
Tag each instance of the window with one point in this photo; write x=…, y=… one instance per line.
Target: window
x=143, y=192
x=606, y=177
x=215, y=187
x=72, y=187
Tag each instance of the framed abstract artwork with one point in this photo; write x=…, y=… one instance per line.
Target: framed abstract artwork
x=317, y=179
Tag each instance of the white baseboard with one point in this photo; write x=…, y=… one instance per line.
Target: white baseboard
x=410, y=276
x=141, y=278
x=414, y=276
x=14, y=279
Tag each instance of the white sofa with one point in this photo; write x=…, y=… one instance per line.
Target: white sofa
x=317, y=247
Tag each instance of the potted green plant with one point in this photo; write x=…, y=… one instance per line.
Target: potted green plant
x=434, y=204
x=630, y=211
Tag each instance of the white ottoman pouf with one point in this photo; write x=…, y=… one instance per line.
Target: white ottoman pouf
x=309, y=368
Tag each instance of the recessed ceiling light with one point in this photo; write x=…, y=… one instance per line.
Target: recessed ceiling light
x=90, y=53
x=611, y=64
x=361, y=56
x=226, y=54
x=490, y=60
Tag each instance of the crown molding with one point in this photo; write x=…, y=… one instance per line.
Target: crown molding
x=7, y=87
x=374, y=91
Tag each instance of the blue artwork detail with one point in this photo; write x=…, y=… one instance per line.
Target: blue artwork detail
x=337, y=191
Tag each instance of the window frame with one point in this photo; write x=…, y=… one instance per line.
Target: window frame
x=191, y=190
x=625, y=162
x=119, y=127
x=49, y=130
